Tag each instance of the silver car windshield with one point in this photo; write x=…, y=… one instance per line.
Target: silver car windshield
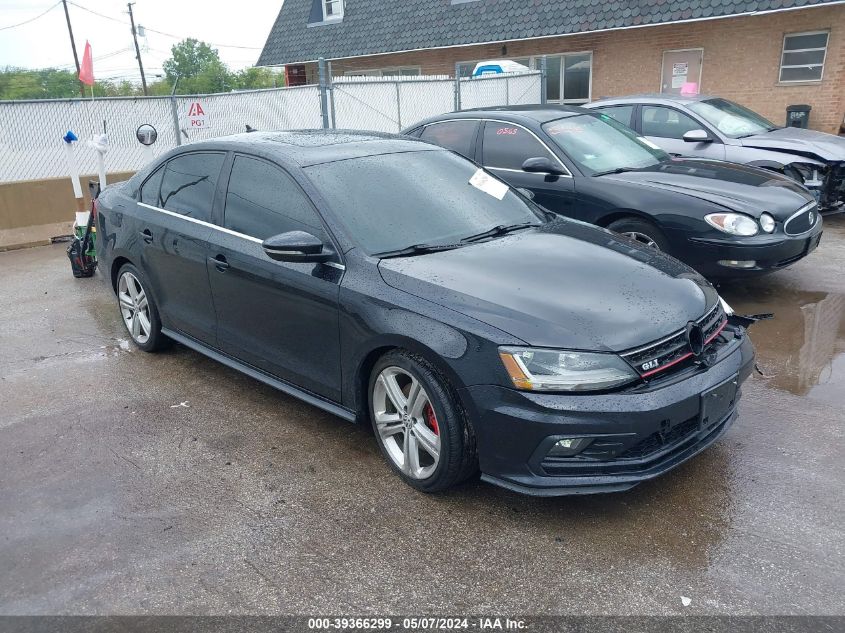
x=600, y=144
x=731, y=119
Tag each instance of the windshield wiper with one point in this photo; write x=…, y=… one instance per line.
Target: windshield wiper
x=416, y=249
x=499, y=229
x=618, y=170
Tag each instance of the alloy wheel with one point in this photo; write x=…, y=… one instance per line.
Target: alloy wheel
x=406, y=422
x=641, y=238
x=134, y=307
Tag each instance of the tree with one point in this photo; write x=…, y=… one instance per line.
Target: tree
x=252, y=78
x=198, y=68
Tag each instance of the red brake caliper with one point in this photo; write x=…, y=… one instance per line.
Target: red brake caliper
x=431, y=419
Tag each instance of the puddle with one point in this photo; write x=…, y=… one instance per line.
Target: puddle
x=801, y=350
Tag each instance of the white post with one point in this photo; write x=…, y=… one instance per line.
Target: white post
x=73, y=168
x=100, y=142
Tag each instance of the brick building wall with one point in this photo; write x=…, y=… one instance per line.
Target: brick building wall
x=741, y=60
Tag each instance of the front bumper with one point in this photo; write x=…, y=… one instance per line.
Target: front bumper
x=769, y=252
x=638, y=434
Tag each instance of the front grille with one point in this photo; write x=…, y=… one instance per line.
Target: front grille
x=672, y=351
x=661, y=439
x=802, y=221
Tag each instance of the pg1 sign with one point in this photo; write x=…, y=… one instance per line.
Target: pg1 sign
x=195, y=117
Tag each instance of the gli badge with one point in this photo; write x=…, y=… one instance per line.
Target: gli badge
x=650, y=364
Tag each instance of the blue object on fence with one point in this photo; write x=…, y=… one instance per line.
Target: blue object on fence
x=70, y=137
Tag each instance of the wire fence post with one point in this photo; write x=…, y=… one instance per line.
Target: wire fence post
x=543, y=84
x=398, y=106
x=174, y=111
x=324, y=97
x=331, y=97
x=457, y=87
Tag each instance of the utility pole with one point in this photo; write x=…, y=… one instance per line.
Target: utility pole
x=73, y=47
x=137, y=50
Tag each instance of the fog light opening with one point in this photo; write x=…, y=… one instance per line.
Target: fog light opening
x=569, y=446
x=738, y=263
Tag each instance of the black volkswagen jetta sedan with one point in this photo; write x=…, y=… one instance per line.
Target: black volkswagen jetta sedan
x=723, y=219
x=392, y=282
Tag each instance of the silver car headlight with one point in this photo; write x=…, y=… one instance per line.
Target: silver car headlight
x=733, y=223
x=533, y=369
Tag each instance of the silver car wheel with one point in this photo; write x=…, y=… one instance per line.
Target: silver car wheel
x=641, y=238
x=406, y=422
x=134, y=307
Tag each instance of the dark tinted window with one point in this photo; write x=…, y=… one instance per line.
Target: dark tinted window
x=151, y=187
x=262, y=201
x=507, y=146
x=433, y=197
x=455, y=135
x=666, y=122
x=621, y=113
x=189, y=183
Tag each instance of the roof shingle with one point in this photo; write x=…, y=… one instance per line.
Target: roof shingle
x=374, y=26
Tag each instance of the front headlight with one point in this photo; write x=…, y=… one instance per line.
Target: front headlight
x=767, y=223
x=733, y=223
x=533, y=369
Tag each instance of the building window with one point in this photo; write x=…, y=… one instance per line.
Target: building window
x=332, y=10
x=803, y=56
x=569, y=76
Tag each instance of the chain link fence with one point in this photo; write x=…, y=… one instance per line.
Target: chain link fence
x=31, y=146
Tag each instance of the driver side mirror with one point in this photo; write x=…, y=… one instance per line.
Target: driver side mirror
x=296, y=246
x=542, y=165
x=697, y=136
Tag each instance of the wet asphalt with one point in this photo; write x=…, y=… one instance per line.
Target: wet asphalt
x=133, y=483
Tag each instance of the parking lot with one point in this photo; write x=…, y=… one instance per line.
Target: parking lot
x=169, y=484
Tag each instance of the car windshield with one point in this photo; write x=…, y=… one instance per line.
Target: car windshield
x=397, y=201
x=600, y=144
x=730, y=118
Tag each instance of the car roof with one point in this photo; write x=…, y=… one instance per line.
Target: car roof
x=653, y=98
x=524, y=114
x=312, y=147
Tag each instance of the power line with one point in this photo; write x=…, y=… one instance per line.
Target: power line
x=151, y=30
x=40, y=15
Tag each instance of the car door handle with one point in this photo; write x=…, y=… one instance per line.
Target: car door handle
x=220, y=263
x=147, y=236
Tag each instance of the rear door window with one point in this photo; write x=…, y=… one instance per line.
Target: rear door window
x=189, y=183
x=263, y=200
x=508, y=146
x=666, y=122
x=458, y=136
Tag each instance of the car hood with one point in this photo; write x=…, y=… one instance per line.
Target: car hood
x=735, y=187
x=794, y=140
x=565, y=284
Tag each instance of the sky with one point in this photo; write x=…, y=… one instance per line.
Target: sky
x=237, y=29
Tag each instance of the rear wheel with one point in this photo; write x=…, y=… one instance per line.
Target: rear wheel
x=419, y=424
x=641, y=231
x=138, y=310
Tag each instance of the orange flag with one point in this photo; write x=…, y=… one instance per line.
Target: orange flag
x=86, y=72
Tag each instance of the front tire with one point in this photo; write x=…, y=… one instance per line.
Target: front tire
x=419, y=424
x=138, y=309
x=641, y=231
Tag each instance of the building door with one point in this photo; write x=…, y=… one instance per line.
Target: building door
x=679, y=68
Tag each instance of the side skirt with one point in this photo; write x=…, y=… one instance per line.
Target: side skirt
x=257, y=374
